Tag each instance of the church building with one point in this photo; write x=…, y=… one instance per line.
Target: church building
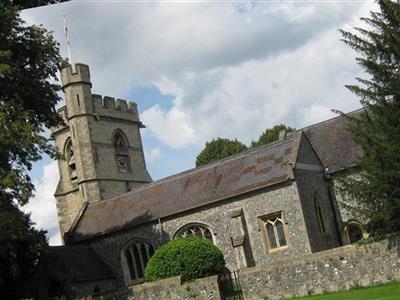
x=267, y=204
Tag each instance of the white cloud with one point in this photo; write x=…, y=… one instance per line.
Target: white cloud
x=171, y=127
x=233, y=68
x=43, y=206
x=153, y=155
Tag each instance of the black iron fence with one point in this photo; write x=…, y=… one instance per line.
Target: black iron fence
x=230, y=286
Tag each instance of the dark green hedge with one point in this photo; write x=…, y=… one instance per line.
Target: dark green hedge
x=190, y=257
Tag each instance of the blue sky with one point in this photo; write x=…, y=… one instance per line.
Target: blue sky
x=200, y=70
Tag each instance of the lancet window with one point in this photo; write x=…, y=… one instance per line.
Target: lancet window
x=121, y=154
x=319, y=213
x=70, y=158
x=135, y=257
x=198, y=230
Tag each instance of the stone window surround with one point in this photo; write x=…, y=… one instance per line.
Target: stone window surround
x=199, y=225
x=263, y=220
x=126, y=269
x=70, y=159
x=354, y=223
x=121, y=154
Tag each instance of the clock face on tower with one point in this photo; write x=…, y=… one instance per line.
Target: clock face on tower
x=122, y=163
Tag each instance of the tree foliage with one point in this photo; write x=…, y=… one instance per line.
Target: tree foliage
x=29, y=62
x=217, y=149
x=189, y=257
x=270, y=135
x=20, y=248
x=376, y=190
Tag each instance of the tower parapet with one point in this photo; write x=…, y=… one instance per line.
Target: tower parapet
x=81, y=74
x=115, y=108
x=101, y=146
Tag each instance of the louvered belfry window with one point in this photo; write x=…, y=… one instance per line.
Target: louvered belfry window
x=70, y=157
x=121, y=152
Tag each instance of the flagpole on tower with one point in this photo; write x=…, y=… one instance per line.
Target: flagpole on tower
x=67, y=38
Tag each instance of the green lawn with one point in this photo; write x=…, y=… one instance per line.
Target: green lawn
x=389, y=291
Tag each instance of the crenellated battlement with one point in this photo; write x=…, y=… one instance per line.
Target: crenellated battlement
x=108, y=102
x=63, y=113
x=117, y=108
x=80, y=74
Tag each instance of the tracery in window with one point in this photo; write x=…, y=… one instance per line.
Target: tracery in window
x=319, y=214
x=134, y=258
x=198, y=230
x=120, y=145
x=70, y=157
x=274, y=231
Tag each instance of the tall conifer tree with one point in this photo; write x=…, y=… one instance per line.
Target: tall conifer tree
x=376, y=191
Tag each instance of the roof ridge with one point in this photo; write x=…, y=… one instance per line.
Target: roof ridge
x=209, y=165
x=331, y=119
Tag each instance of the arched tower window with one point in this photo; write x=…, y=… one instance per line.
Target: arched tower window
x=135, y=256
x=196, y=229
x=319, y=213
x=121, y=154
x=70, y=158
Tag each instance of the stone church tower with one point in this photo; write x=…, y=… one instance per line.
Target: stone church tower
x=101, y=147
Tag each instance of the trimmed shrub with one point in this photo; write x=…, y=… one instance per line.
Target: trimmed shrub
x=189, y=257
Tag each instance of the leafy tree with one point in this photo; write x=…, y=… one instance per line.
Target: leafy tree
x=270, y=135
x=189, y=257
x=29, y=62
x=376, y=190
x=217, y=149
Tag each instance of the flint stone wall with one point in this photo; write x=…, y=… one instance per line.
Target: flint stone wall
x=171, y=288
x=327, y=271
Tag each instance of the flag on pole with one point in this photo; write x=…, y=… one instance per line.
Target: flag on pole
x=67, y=38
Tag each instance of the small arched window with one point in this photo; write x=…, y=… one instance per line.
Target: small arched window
x=70, y=158
x=121, y=154
x=319, y=213
x=197, y=230
x=135, y=256
x=354, y=231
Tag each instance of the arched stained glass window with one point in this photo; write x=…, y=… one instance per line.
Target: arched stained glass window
x=198, y=230
x=135, y=257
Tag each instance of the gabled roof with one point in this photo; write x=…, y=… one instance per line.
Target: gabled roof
x=245, y=172
x=238, y=174
x=334, y=144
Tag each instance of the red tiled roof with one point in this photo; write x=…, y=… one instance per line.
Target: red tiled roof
x=245, y=172
x=232, y=176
